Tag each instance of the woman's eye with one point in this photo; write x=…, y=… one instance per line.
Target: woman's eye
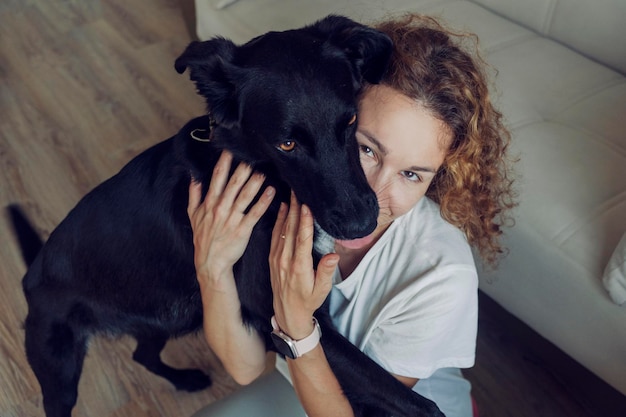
x=287, y=146
x=366, y=150
x=411, y=176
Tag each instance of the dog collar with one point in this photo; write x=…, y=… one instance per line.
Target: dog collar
x=201, y=134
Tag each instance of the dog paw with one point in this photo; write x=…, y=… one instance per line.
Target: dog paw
x=191, y=380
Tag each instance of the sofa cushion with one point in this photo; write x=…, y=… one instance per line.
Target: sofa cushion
x=593, y=28
x=548, y=80
x=614, y=278
x=242, y=20
x=555, y=160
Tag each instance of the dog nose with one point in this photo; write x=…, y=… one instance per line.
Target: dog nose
x=354, y=222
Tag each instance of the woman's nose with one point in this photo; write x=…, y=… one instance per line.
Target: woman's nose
x=380, y=183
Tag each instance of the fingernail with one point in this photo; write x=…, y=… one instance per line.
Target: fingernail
x=305, y=210
x=332, y=261
x=270, y=191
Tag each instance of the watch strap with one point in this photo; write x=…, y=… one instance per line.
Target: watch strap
x=304, y=345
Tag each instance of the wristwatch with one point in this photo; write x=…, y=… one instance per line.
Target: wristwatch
x=293, y=349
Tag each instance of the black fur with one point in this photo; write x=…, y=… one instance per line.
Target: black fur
x=122, y=260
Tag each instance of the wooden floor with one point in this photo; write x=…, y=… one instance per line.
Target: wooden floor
x=84, y=86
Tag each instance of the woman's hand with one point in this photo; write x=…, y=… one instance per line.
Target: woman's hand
x=298, y=289
x=221, y=228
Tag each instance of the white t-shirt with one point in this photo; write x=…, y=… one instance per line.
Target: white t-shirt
x=411, y=304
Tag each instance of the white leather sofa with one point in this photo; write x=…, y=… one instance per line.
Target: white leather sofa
x=561, y=85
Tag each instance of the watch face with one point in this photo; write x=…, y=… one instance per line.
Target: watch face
x=282, y=346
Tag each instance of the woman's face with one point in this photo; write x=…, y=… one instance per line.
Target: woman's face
x=402, y=145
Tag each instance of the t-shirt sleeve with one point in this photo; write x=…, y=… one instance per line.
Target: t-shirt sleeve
x=428, y=327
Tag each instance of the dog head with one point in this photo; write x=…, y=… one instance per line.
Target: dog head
x=287, y=101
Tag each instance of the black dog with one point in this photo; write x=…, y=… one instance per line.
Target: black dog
x=122, y=260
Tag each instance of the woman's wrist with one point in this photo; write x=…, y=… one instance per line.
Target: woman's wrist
x=217, y=278
x=296, y=326
x=295, y=348
x=301, y=330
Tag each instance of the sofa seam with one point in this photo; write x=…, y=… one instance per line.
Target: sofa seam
x=549, y=19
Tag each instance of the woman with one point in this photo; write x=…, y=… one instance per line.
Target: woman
x=434, y=150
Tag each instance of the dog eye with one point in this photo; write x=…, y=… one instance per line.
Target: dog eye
x=287, y=146
x=352, y=120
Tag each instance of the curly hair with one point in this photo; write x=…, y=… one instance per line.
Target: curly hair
x=435, y=67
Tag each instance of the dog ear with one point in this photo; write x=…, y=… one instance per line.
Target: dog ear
x=211, y=67
x=368, y=49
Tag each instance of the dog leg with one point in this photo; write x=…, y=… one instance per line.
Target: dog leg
x=56, y=353
x=148, y=354
x=371, y=389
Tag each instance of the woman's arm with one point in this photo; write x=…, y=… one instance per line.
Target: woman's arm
x=241, y=350
x=299, y=290
x=221, y=231
x=317, y=387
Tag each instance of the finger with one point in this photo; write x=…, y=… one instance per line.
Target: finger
x=249, y=191
x=219, y=177
x=234, y=186
x=195, y=194
x=259, y=208
x=324, y=276
x=306, y=231
x=276, y=248
x=290, y=230
x=277, y=232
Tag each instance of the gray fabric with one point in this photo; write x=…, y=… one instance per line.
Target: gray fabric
x=449, y=389
x=269, y=396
